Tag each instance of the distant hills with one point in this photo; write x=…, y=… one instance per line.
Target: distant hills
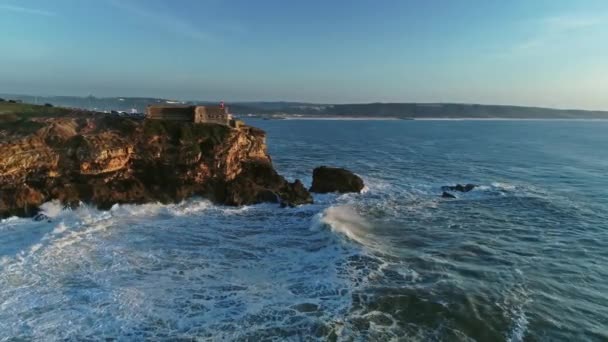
x=286, y=109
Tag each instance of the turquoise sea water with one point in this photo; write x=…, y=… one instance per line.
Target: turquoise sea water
x=523, y=257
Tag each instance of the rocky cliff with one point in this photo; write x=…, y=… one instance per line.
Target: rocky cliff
x=106, y=160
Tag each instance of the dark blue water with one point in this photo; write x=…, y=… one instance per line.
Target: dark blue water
x=522, y=257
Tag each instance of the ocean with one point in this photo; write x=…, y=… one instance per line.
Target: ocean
x=523, y=257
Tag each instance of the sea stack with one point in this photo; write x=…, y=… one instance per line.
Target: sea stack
x=329, y=179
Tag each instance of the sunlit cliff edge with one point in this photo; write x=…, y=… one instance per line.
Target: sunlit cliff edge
x=84, y=157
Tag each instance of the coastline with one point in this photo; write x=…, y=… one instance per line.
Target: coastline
x=346, y=118
x=372, y=118
x=509, y=119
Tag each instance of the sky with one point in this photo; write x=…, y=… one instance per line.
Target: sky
x=550, y=53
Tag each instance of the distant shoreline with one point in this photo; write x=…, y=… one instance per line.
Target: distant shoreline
x=372, y=118
x=510, y=119
x=326, y=111
x=343, y=118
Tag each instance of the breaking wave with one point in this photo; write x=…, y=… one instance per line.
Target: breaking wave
x=344, y=220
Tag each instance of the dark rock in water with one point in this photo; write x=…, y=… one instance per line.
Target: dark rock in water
x=469, y=187
x=296, y=193
x=447, y=195
x=259, y=182
x=266, y=195
x=459, y=187
x=328, y=179
x=41, y=217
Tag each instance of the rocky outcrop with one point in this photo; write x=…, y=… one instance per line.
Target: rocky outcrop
x=459, y=187
x=328, y=179
x=259, y=182
x=103, y=161
x=446, y=194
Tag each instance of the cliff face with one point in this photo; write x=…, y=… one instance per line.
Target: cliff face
x=103, y=161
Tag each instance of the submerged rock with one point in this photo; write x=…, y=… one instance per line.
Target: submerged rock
x=446, y=194
x=41, y=217
x=459, y=187
x=103, y=161
x=328, y=179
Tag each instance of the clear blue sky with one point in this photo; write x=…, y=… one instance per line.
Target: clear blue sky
x=527, y=52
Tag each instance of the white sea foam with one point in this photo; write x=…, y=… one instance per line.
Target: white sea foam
x=52, y=209
x=196, y=269
x=520, y=324
x=190, y=269
x=513, y=306
x=344, y=220
x=504, y=186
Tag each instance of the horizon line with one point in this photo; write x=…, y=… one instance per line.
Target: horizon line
x=317, y=103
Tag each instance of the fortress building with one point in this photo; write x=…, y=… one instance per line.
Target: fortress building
x=196, y=114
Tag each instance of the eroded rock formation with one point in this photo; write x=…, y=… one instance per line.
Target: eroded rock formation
x=103, y=161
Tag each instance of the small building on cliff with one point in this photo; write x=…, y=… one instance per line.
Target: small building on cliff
x=195, y=114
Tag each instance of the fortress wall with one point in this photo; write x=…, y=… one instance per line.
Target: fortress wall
x=170, y=113
x=211, y=114
x=197, y=114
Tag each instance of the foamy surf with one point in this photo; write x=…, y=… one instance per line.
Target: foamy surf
x=344, y=220
x=189, y=269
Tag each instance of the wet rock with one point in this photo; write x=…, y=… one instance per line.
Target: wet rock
x=447, y=195
x=41, y=217
x=259, y=182
x=459, y=187
x=19, y=200
x=328, y=179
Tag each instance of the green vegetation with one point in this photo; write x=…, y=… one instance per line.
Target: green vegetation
x=191, y=150
x=212, y=132
x=15, y=117
x=125, y=126
x=19, y=126
x=154, y=127
x=27, y=111
x=191, y=138
x=187, y=132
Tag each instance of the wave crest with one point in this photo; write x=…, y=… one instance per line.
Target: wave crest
x=344, y=220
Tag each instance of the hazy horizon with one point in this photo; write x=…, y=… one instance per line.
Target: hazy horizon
x=8, y=97
x=549, y=54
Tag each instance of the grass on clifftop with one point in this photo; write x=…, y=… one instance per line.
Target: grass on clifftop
x=26, y=111
x=15, y=117
x=186, y=133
